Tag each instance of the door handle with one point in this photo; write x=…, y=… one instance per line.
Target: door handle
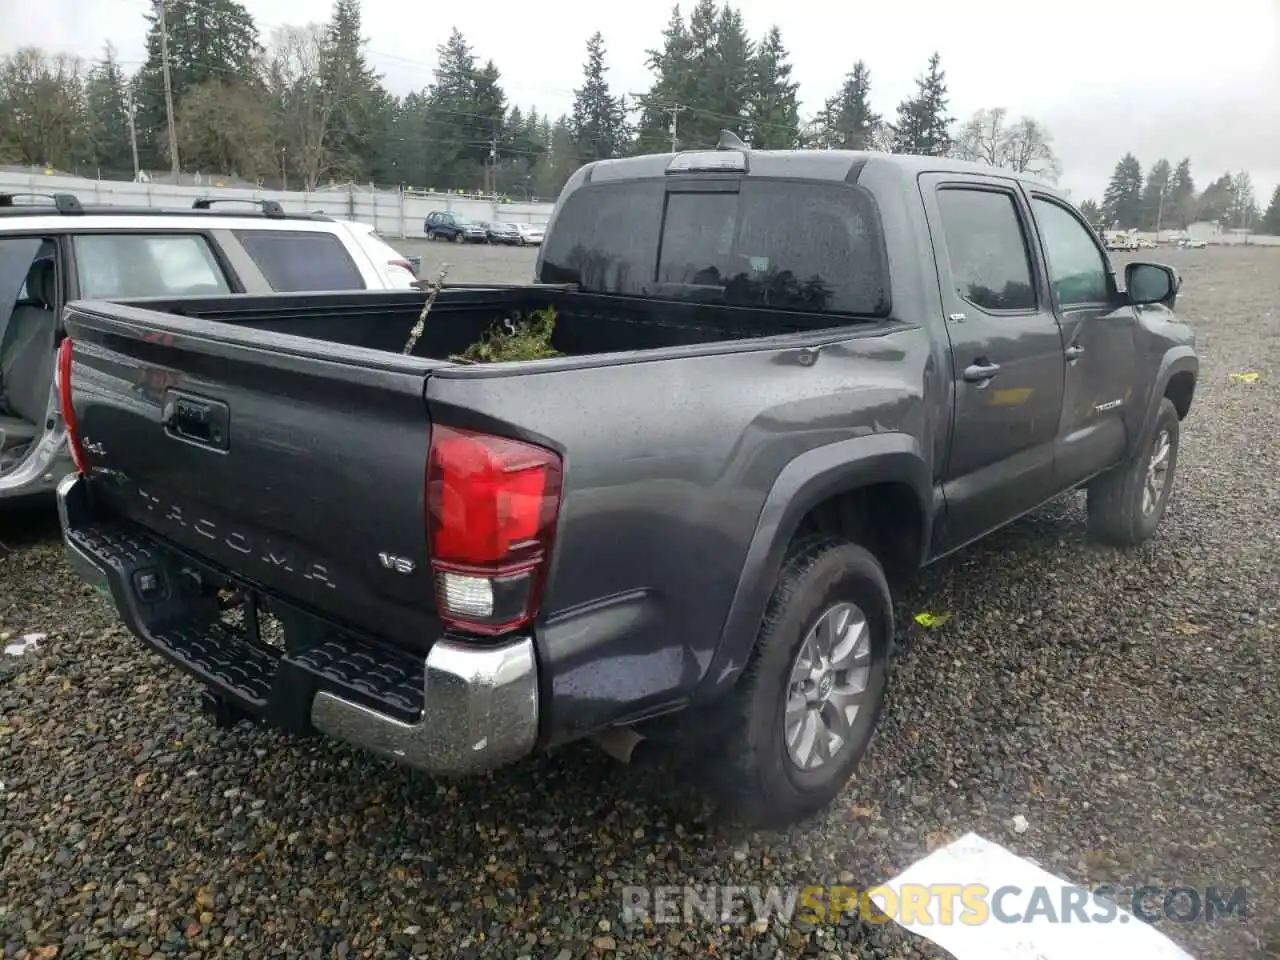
x=981, y=372
x=1074, y=352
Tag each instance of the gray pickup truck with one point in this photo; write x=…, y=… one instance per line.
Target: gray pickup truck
x=788, y=379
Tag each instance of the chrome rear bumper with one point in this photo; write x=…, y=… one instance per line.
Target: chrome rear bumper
x=481, y=711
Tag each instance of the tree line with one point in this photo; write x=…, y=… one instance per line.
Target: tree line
x=1167, y=199
x=304, y=107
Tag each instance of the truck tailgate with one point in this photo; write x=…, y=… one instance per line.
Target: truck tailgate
x=295, y=463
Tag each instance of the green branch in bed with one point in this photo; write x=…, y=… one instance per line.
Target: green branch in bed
x=527, y=339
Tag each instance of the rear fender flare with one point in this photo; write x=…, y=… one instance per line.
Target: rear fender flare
x=805, y=482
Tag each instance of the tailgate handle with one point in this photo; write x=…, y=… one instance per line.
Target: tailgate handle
x=196, y=420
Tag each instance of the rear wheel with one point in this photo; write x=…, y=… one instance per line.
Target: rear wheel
x=458, y=238
x=802, y=715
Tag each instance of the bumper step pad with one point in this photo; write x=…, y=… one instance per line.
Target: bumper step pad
x=224, y=657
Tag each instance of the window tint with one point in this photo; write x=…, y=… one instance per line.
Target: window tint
x=782, y=245
x=986, y=249
x=605, y=238
x=1076, y=268
x=146, y=265
x=294, y=261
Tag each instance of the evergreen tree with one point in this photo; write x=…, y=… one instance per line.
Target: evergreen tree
x=519, y=153
x=672, y=86
x=923, y=126
x=562, y=160
x=461, y=118
x=725, y=71
x=703, y=80
x=1182, y=195
x=1215, y=205
x=1155, y=195
x=773, y=113
x=208, y=40
x=107, y=114
x=846, y=121
x=1271, y=219
x=1122, y=201
x=361, y=108
x=1092, y=213
x=599, y=119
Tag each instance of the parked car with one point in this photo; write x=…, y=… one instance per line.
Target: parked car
x=504, y=233
x=390, y=261
x=748, y=441
x=54, y=249
x=1120, y=240
x=1189, y=243
x=450, y=226
x=531, y=234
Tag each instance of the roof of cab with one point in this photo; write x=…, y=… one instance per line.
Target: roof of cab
x=841, y=165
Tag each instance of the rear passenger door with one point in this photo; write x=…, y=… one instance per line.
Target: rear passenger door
x=298, y=261
x=1006, y=352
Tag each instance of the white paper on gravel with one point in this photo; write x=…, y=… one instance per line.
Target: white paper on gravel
x=28, y=643
x=973, y=860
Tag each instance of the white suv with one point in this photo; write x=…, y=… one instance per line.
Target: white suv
x=55, y=250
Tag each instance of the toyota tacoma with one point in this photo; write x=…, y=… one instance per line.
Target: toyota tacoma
x=784, y=381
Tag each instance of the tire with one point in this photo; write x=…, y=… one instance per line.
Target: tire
x=1119, y=512
x=459, y=238
x=755, y=771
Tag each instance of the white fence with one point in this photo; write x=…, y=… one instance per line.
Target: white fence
x=1213, y=239
x=391, y=213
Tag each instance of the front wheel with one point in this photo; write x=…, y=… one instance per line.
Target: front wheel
x=458, y=238
x=1127, y=502
x=803, y=712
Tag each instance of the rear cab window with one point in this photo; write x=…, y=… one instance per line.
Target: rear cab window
x=296, y=261
x=112, y=265
x=787, y=245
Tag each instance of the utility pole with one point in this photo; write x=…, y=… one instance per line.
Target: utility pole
x=492, y=170
x=168, y=90
x=131, y=109
x=675, y=125
x=673, y=108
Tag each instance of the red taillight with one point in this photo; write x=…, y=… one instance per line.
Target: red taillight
x=491, y=512
x=64, y=402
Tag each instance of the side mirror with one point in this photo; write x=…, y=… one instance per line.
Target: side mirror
x=1149, y=283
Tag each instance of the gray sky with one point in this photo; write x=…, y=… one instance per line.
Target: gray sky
x=1196, y=78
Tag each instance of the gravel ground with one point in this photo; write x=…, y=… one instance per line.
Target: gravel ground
x=471, y=262
x=1127, y=705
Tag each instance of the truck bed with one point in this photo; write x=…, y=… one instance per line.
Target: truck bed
x=587, y=324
